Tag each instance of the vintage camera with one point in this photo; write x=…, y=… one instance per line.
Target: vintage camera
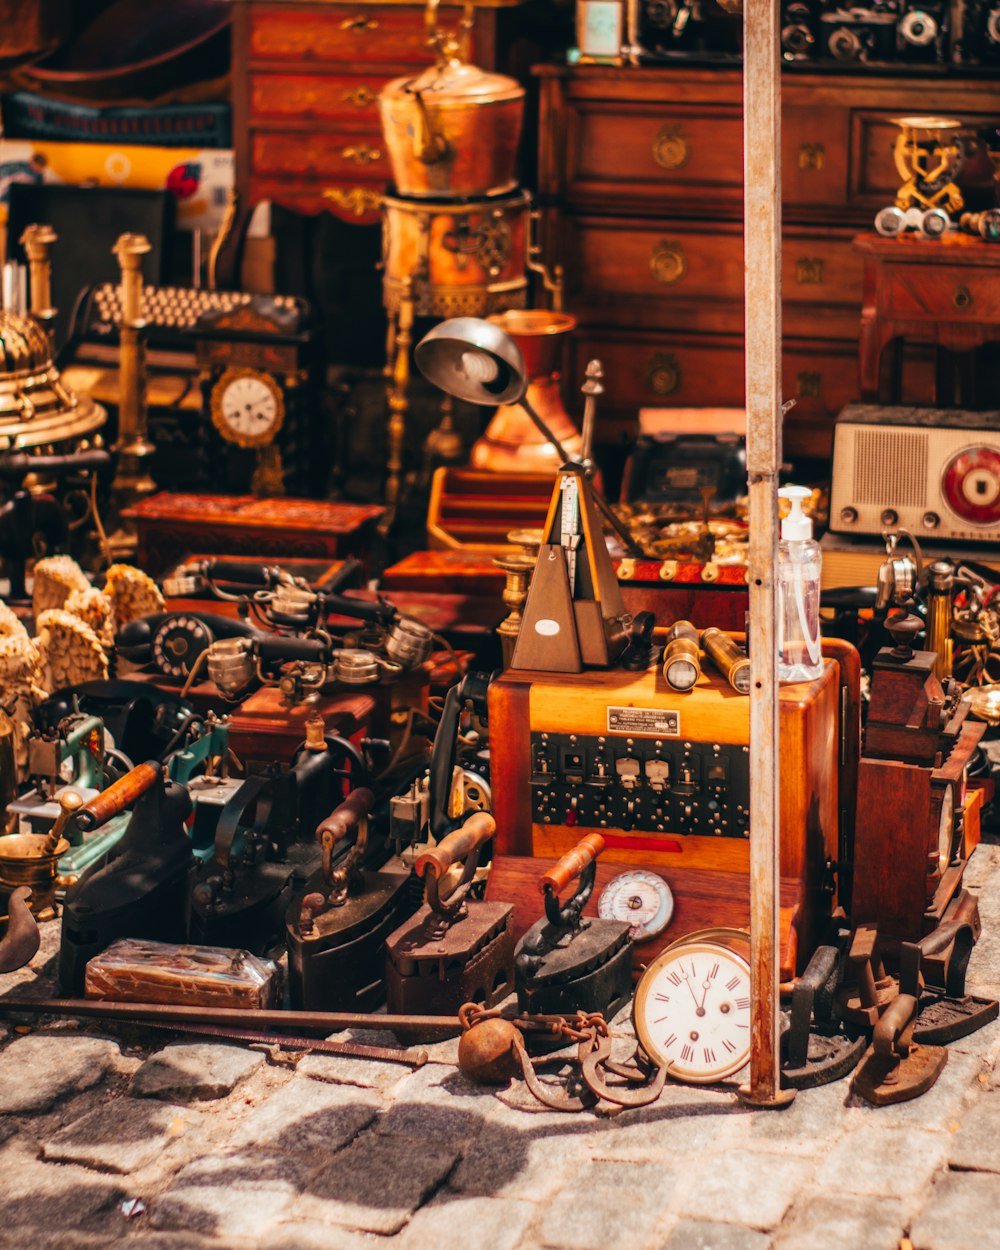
x=922, y=32
x=977, y=40
x=858, y=34
x=800, y=31
x=667, y=28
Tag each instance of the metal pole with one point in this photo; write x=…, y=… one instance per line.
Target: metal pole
x=762, y=216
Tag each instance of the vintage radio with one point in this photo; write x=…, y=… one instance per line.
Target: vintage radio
x=663, y=777
x=933, y=471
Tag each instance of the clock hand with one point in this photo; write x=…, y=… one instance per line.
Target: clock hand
x=694, y=996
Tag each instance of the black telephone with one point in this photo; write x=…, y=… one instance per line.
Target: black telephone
x=173, y=641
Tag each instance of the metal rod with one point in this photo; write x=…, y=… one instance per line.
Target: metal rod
x=413, y=1057
x=161, y=1013
x=762, y=226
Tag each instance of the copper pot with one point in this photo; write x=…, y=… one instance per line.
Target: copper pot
x=454, y=130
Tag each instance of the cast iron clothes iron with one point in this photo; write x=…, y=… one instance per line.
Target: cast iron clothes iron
x=143, y=891
x=336, y=935
x=455, y=949
x=818, y=1047
x=567, y=963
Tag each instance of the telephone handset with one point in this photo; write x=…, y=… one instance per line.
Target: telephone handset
x=173, y=641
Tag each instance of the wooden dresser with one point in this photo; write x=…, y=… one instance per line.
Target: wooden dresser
x=306, y=79
x=641, y=177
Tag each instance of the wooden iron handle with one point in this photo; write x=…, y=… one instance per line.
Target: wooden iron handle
x=457, y=846
x=348, y=815
x=117, y=797
x=572, y=863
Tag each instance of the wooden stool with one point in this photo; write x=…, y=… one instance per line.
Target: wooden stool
x=945, y=292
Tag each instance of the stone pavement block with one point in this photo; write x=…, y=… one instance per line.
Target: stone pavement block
x=708, y=1235
x=959, y=1213
x=39, y=1069
x=983, y=862
x=190, y=1071
x=943, y=1103
x=307, y=1118
x=436, y=1116
x=806, y=1126
x=658, y=1133
x=820, y=1221
x=610, y=1204
x=975, y=1147
x=119, y=1136
x=458, y=1223
x=237, y=1196
x=438, y=1086
x=293, y=1234
x=743, y=1186
x=377, y=1182
x=345, y=1070
x=882, y=1160
x=528, y=1163
x=36, y=1196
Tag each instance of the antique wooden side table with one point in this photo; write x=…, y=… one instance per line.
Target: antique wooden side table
x=944, y=292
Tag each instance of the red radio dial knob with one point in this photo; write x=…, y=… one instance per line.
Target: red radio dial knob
x=971, y=485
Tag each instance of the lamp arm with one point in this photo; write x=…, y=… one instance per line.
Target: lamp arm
x=545, y=432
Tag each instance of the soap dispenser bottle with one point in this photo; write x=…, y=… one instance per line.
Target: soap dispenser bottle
x=800, y=656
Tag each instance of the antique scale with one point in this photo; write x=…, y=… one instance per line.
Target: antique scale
x=457, y=231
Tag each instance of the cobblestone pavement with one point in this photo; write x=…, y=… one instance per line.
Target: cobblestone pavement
x=224, y=1147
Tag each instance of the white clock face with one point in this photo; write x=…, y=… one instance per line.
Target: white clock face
x=692, y=1011
x=641, y=898
x=249, y=407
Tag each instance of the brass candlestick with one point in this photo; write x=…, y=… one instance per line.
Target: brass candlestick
x=132, y=479
x=38, y=241
x=518, y=565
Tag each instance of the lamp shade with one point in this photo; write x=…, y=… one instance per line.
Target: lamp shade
x=473, y=360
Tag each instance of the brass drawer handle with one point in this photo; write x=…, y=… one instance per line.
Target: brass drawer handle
x=962, y=297
x=670, y=147
x=356, y=200
x=361, y=24
x=361, y=155
x=667, y=263
x=360, y=97
x=663, y=373
x=809, y=271
x=812, y=156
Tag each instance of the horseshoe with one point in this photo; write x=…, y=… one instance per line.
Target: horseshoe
x=22, y=938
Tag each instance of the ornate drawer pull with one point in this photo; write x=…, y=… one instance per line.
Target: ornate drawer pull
x=361, y=24
x=962, y=297
x=812, y=156
x=670, y=147
x=663, y=373
x=360, y=97
x=809, y=271
x=361, y=155
x=356, y=200
x=667, y=263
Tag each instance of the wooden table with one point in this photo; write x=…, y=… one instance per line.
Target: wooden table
x=945, y=292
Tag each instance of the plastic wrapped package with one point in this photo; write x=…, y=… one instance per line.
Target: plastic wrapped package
x=133, y=970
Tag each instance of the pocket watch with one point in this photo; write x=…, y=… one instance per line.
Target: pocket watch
x=692, y=1007
x=248, y=407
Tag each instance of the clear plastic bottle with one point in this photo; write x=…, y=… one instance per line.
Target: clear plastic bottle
x=800, y=656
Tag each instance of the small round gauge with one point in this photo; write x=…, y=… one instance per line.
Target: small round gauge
x=178, y=642
x=970, y=483
x=945, y=805
x=643, y=899
x=247, y=407
x=692, y=1011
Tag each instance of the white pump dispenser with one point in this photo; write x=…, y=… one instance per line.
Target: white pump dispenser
x=800, y=656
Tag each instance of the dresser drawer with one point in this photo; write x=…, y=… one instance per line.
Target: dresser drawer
x=654, y=152
x=330, y=154
x=347, y=97
x=665, y=370
x=352, y=199
x=940, y=293
x=386, y=33
x=631, y=258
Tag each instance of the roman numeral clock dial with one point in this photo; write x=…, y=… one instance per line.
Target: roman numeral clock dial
x=692, y=1008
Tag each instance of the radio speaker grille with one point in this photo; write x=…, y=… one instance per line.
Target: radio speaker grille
x=890, y=467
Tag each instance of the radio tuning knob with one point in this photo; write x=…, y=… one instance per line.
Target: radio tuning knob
x=848, y=515
x=930, y=520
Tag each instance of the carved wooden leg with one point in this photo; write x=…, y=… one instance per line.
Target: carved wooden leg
x=869, y=356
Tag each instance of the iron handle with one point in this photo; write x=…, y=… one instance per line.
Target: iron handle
x=118, y=796
x=457, y=846
x=348, y=815
x=572, y=864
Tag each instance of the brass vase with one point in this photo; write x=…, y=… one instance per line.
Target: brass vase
x=511, y=443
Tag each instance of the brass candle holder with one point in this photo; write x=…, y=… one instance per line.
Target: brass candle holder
x=518, y=565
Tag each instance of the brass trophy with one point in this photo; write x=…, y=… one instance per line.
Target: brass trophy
x=457, y=231
x=928, y=156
